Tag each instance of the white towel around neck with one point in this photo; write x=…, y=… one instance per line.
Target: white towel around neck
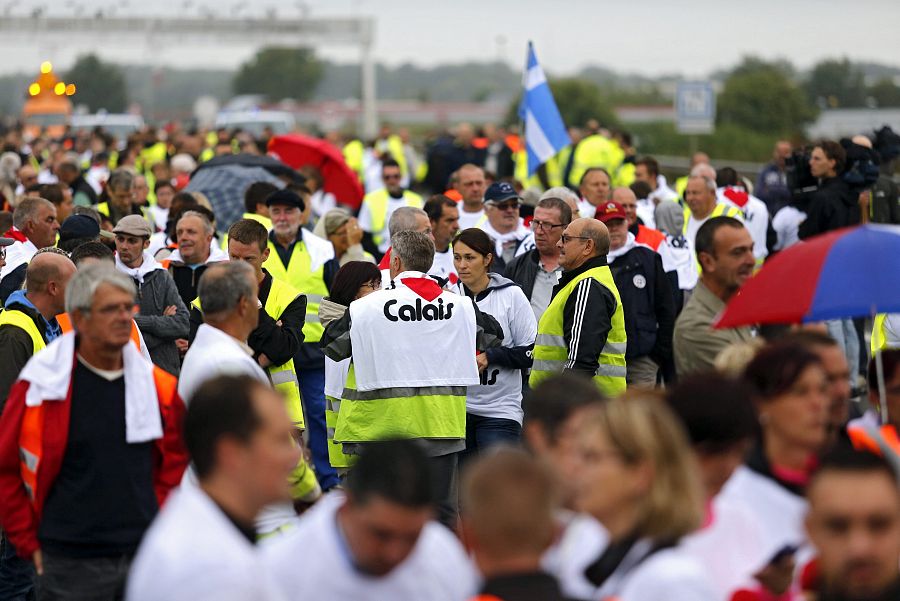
x=49, y=378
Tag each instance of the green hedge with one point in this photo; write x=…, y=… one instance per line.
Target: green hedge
x=729, y=142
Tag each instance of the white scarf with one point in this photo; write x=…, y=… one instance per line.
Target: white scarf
x=49, y=377
x=629, y=244
x=138, y=273
x=216, y=254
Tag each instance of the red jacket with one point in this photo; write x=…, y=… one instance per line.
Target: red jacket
x=48, y=430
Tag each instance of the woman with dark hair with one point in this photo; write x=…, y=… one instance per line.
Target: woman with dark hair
x=494, y=408
x=790, y=390
x=833, y=205
x=354, y=280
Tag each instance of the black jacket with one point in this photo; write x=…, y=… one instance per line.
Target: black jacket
x=531, y=586
x=648, y=303
x=12, y=281
x=186, y=280
x=884, y=201
x=831, y=207
x=587, y=317
x=161, y=331
x=16, y=348
x=278, y=342
x=523, y=270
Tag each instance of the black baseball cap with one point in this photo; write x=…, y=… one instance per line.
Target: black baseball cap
x=78, y=226
x=285, y=197
x=500, y=191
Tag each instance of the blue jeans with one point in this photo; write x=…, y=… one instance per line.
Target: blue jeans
x=312, y=389
x=16, y=574
x=485, y=432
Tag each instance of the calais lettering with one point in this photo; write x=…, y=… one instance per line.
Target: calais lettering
x=418, y=312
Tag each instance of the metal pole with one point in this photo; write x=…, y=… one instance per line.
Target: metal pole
x=370, y=110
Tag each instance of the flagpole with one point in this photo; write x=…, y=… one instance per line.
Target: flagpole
x=521, y=127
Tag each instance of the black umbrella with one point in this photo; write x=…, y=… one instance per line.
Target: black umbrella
x=270, y=164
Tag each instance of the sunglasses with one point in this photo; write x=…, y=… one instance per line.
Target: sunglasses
x=567, y=238
x=506, y=206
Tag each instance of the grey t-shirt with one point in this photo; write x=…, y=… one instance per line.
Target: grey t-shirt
x=543, y=289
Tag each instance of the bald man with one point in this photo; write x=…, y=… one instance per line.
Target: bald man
x=637, y=224
x=583, y=329
x=32, y=313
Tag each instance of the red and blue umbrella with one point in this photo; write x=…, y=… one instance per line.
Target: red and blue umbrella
x=851, y=272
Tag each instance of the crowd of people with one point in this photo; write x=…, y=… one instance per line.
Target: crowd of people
x=505, y=387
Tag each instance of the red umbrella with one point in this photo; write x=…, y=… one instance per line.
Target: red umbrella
x=298, y=151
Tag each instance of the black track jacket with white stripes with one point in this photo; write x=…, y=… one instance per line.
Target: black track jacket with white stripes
x=587, y=317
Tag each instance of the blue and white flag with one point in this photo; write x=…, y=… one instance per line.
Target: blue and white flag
x=545, y=132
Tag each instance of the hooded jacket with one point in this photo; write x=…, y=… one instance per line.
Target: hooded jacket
x=500, y=393
x=156, y=291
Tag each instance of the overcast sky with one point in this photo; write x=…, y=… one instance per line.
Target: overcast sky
x=650, y=37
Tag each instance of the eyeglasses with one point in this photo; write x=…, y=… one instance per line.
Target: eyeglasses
x=374, y=285
x=567, y=238
x=544, y=225
x=506, y=206
x=107, y=310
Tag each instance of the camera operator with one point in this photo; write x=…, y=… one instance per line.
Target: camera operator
x=834, y=205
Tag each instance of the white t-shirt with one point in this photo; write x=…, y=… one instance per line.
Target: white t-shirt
x=756, y=219
x=214, y=353
x=779, y=512
x=731, y=547
x=160, y=217
x=193, y=552
x=313, y=562
x=500, y=393
x=677, y=254
x=671, y=574
x=467, y=220
x=786, y=224
x=581, y=541
x=586, y=209
x=693, y=226
x=646, y=211
x=443, y=266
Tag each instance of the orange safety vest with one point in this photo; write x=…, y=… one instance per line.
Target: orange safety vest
x=649, y=236
x=32, y=431
x=65, y=324
x=863, y=439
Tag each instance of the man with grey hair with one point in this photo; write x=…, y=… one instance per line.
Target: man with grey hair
x=565, y=194
x=404, y=219
x=229, y=297
x=194, y=233
x=88, y=460
x=583, y=328
x=538, y=270
x=702, y=202
x=413, y=347
x=34, y=226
